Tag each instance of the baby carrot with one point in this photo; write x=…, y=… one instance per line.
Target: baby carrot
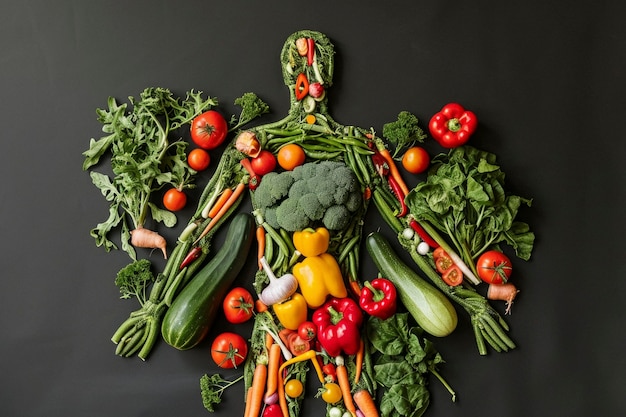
x=220, y=202
x=344, y=384
x=365, y=402
x=259, y=380
x=234, y=196
x=260, y=238
x=273, y=364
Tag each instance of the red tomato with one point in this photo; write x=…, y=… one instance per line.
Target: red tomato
x=494, y=267
x=238, y=305
x=307, y=330
x=453, y=276
x=199, y=159
x=263, y=163
x=209, y=129
x=443, y=262
x=416, y=160
x=229, y=350
x=174, y=199
x=330, y=371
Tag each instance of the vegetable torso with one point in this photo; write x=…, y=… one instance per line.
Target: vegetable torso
x=191, y=314
x=431, y=309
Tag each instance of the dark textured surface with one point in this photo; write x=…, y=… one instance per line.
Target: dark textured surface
x=546, y=80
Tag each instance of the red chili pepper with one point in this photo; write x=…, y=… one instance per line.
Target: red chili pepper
x=453, y=125
x=378, y=298
x=255, y=179
x=302, y=86
x=395, y=187
x=310, y=55
x=193, y=254
x=423, y=234
x=338, y=322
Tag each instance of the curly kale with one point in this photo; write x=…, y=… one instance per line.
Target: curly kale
x=316, y=193
x=134, y=278
x=403, y=133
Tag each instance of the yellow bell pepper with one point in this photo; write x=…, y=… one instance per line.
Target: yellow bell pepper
x=318, y=277
x=292, y=312
x=312, y=242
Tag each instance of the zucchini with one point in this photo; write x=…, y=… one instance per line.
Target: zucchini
x=430, y=308
x=189, y=318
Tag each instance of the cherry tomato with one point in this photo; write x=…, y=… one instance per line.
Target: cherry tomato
x=291, y=156
x=238, y=305
x=209, y=129
x=263, y=163
x=294, y=388
x=199, y=159
x=416, y=160
x=272, y=410
x=453, y=276
x=229, y=350
x=332, y=393
x=494, y=267
x=443, y=262
x=330, y=371
x=297, y=345
x=307, y=330
x=174, y=199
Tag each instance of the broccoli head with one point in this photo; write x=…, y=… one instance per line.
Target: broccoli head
x=316, y=193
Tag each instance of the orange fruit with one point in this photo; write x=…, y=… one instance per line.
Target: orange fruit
x=416, y=160
x=290, y=156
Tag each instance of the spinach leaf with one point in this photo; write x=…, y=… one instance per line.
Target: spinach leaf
x=465, y=197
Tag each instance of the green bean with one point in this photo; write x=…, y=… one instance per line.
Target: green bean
x=322, y=155
x=347, y=248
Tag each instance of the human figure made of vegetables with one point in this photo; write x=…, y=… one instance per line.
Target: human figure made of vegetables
x=321, y=198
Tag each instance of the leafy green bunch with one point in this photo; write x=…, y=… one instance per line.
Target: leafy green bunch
x=464, y=196
x=404, y=359
x=144, y=157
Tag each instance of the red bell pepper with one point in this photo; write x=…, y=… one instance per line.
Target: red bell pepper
x=302, y=86
x=310, y=56
x=453, y=125
x=378, y=298
x=338, y=324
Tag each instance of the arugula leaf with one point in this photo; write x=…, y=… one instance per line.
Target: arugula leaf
x=144, y=157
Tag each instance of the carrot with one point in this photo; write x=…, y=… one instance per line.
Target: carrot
x=146, y=238
x=220, y=202
x=246, y=410
x=260, y=306
x=503, y=292
x=365, y=402
x=355, y=287
x=359, y=362
x=260, y=238
x=393, y=169
x=273, y=363
x=367, y=193
x=269, y=341
x=282, y=399
x=344, y=384
x=234, y=196
x=259, y=379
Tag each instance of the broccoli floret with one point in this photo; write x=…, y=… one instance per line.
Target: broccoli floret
x=290, y=216
x=310, y=205
x=251, y=108
x=404, y=132
x=269, y=215
x=133, y=279
x=355, y=201
x=273, y=188
x=336, y=217
x=299, y=189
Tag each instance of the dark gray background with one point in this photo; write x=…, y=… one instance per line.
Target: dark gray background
x=546, y=79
